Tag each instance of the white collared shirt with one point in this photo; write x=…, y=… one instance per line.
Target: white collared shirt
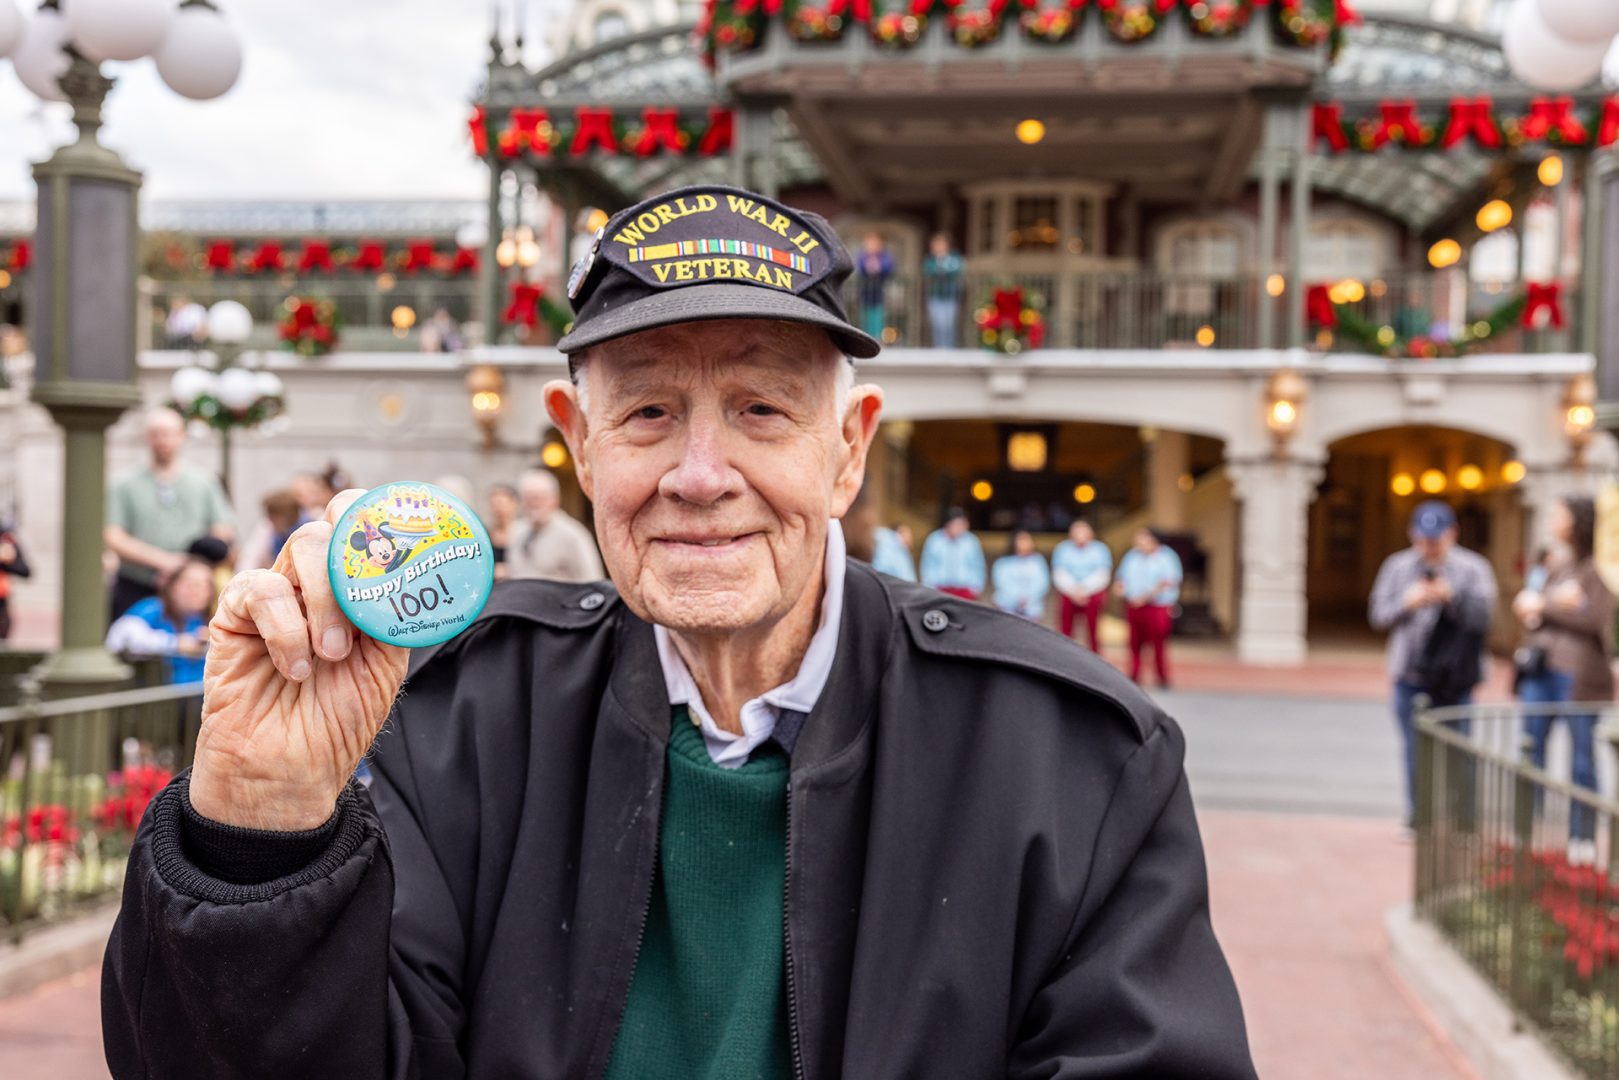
x=799, y=693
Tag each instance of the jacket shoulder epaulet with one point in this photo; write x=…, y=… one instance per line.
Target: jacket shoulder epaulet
x=555, y=605
x=942, y=625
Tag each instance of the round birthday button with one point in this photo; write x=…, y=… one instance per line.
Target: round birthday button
x=411, y=564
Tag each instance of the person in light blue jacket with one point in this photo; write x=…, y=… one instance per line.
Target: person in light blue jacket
x=953, y=559
x=1021, y=579
x=1150, y=583
x=891, y=552
x=1081, y=569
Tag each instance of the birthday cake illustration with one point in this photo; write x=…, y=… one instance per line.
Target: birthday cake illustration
x=409, y=512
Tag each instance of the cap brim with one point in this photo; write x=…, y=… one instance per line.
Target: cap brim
x=701, y=303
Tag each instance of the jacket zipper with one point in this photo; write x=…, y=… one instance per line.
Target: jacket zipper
x=787, y=946
x=640, y=936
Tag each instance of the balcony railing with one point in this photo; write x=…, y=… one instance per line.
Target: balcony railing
x=1519, y=871
x=75, y=778
x=1396, y=315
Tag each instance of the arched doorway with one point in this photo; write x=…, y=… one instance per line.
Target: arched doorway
x=1373, y=481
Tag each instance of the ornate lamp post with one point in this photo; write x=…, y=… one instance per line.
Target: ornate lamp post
x=87, y=245
x=227, y=396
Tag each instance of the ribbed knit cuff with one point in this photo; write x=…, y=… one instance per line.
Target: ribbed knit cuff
x=240, y=856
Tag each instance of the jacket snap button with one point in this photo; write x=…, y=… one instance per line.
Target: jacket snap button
x=935, y=620
x=592, y=601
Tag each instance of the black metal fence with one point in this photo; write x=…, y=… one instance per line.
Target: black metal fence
x=75, y=778
x=1519, y=870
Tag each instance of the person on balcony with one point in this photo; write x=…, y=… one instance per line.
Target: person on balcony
x=1021, y=578
x=1150, y=584
x=1081, y=570
x=13, y=563
x=941, y=286
x=1435, y=601
x=872, y=271
x=173, y=624
x=750, y=810
x=1565, y=655
x=154, y=513
x=953, y=559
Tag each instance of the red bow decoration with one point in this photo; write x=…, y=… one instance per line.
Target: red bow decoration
x=1344, y=15
x=525, y=305
x=523, y=133
x=267, y=257
x=1547, y=115
x=1544, y=296
x=370, y=257
x=1472, y=118
x=1608, y=126
x=662, y=132
x=595, y=130
x=300, y=320
x=1327, y=122
x=465, y=261
x=1397, y=122
x=859, y=10
x=1318, y=307
x=721, y=133
x=418, y=256
x=21, y=256
x=317, y=256
x=479, y=127
x=221, y=256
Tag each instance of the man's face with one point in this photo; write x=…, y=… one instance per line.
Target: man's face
x=1433, y=549
x=955, y=527
x=715, y=453
x=1080, y=533
x=165, y=440
x=540, y=502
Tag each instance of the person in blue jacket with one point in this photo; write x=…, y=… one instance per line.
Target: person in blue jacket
x=1081, y=568
x=892, y=554
x=1022, y=579
x=1150, y=583
x=953, y=559
x=173, y=624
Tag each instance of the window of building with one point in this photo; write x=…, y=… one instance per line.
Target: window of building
x=1339, y=249
x=1034, y=223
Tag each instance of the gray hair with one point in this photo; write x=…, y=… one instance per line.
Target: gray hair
x=540, y=478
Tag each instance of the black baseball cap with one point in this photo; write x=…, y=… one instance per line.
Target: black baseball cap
x=711, y=252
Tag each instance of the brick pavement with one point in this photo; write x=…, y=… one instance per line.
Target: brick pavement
x=1297, y=901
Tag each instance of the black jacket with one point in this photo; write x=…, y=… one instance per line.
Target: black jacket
x=993, y=870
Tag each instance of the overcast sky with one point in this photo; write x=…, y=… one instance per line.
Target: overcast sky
x=338, y=98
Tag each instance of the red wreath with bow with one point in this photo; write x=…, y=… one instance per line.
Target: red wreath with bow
x=1543, y=296
x=525, y=305
x=317, y=255
x=1009, y=323
x=1318, y=307
x=221, y=256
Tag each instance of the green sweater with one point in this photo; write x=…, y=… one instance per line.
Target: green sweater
x=708, y=1001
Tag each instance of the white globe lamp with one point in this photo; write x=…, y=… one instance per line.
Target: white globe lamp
x=1587, y=21
x=238, y=389
x=117, y=29
x=11, y=26
x=38, y=55
x=269, y=384
x=191, y=383
x=229, y=323
x=200, y=57
x=1541, y=58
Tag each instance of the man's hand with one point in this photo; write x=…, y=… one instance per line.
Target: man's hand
x=1423, y=593
x=293, y=695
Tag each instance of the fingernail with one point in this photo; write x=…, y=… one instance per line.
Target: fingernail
x=299, y=671
x=335, y=643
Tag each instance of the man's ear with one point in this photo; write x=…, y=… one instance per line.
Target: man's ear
x=562, y=403
x=859, y=428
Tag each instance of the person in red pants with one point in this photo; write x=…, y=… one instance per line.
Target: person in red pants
x=1150, y=583
x=1081, y=568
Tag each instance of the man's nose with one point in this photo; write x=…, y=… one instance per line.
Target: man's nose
x=704, y=474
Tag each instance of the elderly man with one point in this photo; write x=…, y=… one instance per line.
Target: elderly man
x=155, y=513
x=548, y=543
x=753, y=810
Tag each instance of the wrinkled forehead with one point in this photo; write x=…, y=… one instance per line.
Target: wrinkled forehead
x=781, y=357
